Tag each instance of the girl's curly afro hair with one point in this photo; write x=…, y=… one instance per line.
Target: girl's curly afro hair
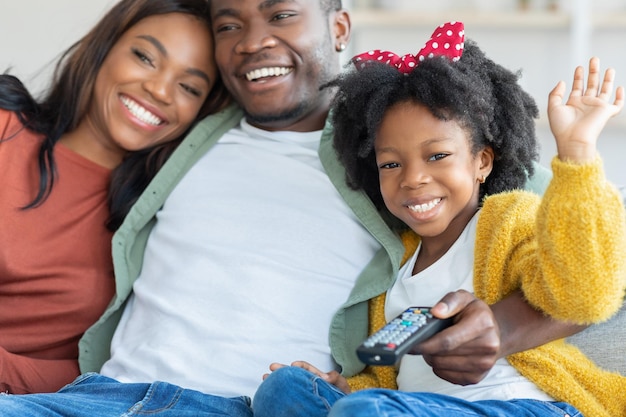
x=482, y=96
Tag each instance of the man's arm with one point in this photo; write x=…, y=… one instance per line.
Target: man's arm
x=522, y=327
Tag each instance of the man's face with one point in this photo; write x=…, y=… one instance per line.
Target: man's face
x=274, y=55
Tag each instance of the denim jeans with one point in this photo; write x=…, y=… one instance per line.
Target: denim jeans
x=293, y=392
x=296, y=392
x=93, y=395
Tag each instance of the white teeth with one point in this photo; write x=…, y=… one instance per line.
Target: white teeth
x=267, y=72
x=141, y=112
x=421, y=208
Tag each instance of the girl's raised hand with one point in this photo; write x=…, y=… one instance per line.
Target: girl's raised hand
x=576, y=124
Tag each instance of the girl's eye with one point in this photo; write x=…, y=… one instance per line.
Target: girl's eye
x=389, y=165
x=437, y=156
x=142, y=57
x=191, y=90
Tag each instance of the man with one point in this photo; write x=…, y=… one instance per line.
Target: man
x=243, y=248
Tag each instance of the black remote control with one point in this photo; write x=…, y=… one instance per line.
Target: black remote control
x=387, y=345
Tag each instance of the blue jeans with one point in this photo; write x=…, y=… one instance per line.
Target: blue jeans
x=292, y=392
x=296, y=392
x=93, y=395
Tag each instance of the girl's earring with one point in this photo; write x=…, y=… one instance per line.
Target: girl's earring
x=341, y=47
x=482, y=179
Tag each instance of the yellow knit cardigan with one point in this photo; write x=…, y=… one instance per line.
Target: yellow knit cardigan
x=567, y=253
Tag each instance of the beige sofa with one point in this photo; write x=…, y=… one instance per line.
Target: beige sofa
x=605, y=343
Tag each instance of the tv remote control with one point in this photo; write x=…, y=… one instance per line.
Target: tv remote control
x=387, y=345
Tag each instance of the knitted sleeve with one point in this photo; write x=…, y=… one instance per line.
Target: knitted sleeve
x=567, y=251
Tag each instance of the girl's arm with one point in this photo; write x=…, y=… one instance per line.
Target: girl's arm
x=581, y=231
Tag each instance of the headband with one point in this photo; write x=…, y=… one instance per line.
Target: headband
x=447, y=40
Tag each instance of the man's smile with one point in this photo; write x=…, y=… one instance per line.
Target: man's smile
x=265, y=72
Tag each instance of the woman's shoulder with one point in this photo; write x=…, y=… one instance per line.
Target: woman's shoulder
x=10, y=124
x=15, y=138
x=6, y=116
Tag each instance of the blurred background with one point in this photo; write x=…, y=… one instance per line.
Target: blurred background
x=544, y=39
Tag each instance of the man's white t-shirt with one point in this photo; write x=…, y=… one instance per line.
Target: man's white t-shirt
x=453, y=271
x=251, y=256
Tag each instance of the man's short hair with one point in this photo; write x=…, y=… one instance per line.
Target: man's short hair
x=330, y=5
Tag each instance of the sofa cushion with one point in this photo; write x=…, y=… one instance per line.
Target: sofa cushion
x=605, y=343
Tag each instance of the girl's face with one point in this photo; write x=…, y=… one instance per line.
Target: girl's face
x=428, y=176
x=151, y=85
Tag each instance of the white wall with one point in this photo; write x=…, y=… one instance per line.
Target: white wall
x=34, y=32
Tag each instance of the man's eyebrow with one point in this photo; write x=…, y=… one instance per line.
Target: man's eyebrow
x=234, y=13
x=158, y=45
x=225, y=12
x=270, y=3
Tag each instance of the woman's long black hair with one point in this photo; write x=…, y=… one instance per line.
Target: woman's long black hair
x=482, y=96
x=67, y=100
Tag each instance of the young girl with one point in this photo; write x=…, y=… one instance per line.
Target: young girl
x=73, y=163
x=444, y=142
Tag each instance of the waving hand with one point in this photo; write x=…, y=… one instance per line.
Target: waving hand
x=577, y=123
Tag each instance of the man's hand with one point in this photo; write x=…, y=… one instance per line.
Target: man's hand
x=466, y=351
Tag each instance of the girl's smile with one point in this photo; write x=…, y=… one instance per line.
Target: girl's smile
x=425, y=207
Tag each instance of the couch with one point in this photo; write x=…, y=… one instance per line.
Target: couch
x=605, y=343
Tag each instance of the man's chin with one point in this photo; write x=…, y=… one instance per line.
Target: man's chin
x=275, y=120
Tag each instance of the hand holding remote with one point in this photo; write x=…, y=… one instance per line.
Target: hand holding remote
x=396, y=338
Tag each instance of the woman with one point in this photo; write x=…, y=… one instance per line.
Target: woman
x=72, y=165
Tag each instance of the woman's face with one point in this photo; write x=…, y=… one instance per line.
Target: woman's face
x=152, y=84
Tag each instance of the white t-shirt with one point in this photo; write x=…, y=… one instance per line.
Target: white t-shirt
x=251, y=256
x=453, y=271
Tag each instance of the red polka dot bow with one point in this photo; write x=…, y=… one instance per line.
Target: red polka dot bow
x=447, y=40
